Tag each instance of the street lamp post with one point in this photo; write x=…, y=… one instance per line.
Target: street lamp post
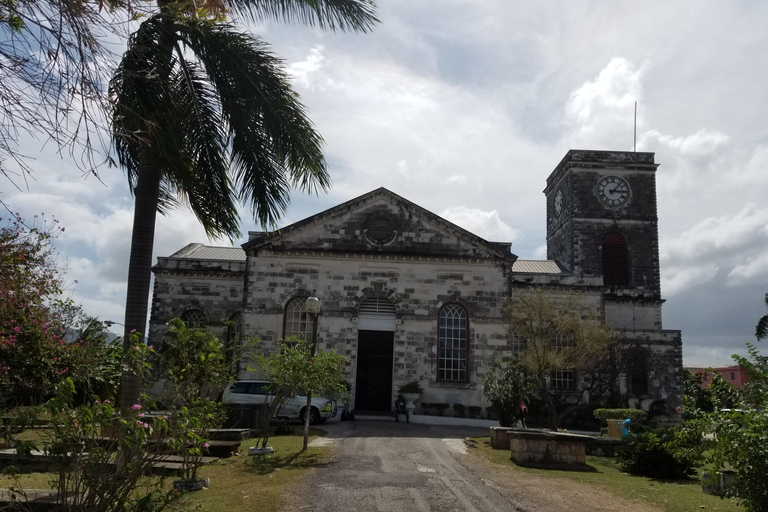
x=312, y=307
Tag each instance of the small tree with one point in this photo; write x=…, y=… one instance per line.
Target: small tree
x=506, y=386
x=192, y=362
x=292, y=369
x=560, y=333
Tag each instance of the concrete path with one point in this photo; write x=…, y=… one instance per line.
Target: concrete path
x=392, y=467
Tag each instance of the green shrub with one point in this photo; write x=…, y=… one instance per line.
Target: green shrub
x=474, y=411
x=429, y=408
x=634, y=415
x=459, y=409
x=413, y=387
x=441, y=408
x=505, y=386
x=664, y=454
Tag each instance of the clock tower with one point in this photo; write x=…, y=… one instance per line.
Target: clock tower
x=602, y=221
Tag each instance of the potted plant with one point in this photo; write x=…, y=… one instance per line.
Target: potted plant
x=411, y=391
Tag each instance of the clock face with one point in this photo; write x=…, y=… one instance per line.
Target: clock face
x=613, y=191
x=558, y=204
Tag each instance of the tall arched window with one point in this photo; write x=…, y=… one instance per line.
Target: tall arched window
x=297, y=322
x=453, y=327
x=193, y=318
x=615, y=260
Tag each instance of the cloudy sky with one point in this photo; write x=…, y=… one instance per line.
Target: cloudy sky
x=466, y=106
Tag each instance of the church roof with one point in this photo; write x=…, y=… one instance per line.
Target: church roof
x=537, y=267
x=207, y=252
x=342, y=228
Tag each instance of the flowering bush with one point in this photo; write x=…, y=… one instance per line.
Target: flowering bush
x=506, y=386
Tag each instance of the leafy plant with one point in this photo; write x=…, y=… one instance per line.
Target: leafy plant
x=506, y=386
x=413, y=387
x=293, y=369
x=192, y=360
x=665, y=454
x=474, y=411
x=101, y=460
x=440, y=408
x=459, y=409
x=741, y=436
x=634, y=415
x=429, y=408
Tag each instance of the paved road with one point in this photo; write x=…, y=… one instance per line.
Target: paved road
x=393, y=467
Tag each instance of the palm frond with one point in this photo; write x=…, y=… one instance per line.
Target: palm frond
x=344, y=15
x=139, y=94
x=205, y=186
x=273, y=143
x=761, y=330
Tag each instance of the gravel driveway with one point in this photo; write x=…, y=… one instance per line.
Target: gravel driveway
x=392, y=467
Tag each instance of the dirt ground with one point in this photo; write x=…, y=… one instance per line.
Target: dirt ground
x=546, y=494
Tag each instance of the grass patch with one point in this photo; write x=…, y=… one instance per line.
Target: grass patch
x=257, y=483
x=240, y=483
x=671, y=496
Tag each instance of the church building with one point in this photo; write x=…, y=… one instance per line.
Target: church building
x=407, y=295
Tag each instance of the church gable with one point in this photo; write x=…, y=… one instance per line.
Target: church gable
x=380, y=222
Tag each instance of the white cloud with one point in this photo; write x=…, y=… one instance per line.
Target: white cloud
x=486, y=224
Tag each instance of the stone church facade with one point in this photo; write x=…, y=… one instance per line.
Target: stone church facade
x=407, y=295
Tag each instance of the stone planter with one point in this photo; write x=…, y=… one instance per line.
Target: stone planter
x=410, y=398
x=548, y=449
x=191, y=485
x=499, y=437
x=717, y=484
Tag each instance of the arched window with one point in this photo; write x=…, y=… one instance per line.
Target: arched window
x=615, y=260
x=297, y=322
x=453, y=327
x=193, y=318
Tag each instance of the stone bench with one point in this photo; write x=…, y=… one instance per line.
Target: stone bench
x=548, y=449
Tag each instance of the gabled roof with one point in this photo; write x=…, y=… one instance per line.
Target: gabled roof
x=537, y=267
x=285, y=237
x=207, y=252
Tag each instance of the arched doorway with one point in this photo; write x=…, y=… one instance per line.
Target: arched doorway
x=376, y=321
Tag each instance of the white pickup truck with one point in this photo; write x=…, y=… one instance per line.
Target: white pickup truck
x=256, y=392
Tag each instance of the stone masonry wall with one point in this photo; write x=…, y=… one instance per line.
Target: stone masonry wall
x=418, y=287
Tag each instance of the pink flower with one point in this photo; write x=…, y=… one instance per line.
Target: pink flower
x=16, y=329
x=96, y=402
x=165, y=417
x=141, y=415
x=144, y=425
x=135, y=348
x=150, y=347
x=135, y=407
x=206, y=445
x=106, y=401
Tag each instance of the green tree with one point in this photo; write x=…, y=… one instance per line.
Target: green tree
x=761, y=329
x=204, y=115
x=52, y=71
x=506, y=386
x=559, y=332
x=192, y=363
x=293, y=369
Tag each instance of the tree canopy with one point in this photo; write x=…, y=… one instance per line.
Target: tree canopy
x=558, y=331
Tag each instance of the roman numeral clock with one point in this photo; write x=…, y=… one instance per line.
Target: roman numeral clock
x=613, y=191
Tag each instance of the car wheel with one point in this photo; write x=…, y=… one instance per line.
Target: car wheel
x=314, y=416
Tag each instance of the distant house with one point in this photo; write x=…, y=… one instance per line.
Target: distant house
x=733, y=374
x=408, y=295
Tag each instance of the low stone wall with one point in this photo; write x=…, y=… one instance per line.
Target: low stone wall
x=548, y=449
x=604, y=446
x=499, y=437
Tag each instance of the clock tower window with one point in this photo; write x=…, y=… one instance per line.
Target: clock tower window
x=615, y=260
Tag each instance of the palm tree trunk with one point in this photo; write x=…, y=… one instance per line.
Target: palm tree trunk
x=146, y=197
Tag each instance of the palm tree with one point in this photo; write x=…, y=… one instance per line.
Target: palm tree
x=203, y=115
x=761, y=329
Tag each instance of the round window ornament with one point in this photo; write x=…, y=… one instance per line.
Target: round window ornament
x=558, y=203
x=380, y=230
